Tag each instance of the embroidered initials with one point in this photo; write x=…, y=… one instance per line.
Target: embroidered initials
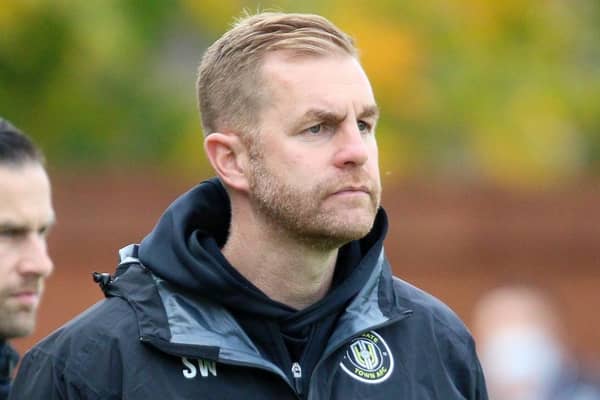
x=191, y=368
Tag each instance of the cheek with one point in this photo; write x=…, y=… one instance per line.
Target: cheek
x=6, y=256
x=296, y=164
x=10, y=254
x=7, y=275
x=373, y=162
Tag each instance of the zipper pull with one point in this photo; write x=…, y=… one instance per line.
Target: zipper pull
x=297, y=374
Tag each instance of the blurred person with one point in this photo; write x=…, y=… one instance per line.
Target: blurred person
x=26, y=214
x=523, y=353
x=270, y=281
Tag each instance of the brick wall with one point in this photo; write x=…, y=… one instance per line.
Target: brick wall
x=453, y=240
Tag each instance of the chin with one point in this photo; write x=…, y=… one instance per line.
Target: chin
x=14, y=332
x=357, y=233
x=19, y=327
x=333, y=236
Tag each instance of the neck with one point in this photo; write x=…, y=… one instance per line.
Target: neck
x=290, y=272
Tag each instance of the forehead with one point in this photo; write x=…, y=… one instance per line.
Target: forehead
x=296, y=82
x=25, y=198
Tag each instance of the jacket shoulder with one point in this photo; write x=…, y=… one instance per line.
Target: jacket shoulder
x=81, y=356
x=434, y=327
x=109, y=319
x=429, y=309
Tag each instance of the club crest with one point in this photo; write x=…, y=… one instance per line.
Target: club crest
x=368, y=358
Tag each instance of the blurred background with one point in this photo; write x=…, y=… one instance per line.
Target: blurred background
x=489, y=136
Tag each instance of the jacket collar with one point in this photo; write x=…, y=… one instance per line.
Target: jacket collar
x=187, y=324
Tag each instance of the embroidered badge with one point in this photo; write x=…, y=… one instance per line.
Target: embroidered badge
x=368, y=359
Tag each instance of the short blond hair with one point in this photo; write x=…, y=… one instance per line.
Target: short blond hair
x=229, y=81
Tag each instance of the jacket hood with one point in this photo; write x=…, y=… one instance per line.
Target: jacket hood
x=183, y=249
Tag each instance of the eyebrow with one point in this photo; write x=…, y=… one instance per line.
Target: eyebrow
x=371, y=111
x=12, y=226
x=318, y=114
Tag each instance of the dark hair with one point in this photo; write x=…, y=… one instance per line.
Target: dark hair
x=16, y=148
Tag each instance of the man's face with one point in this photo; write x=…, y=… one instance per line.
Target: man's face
x=25, y=215
x=314, y=170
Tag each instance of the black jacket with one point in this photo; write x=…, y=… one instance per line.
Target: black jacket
x=8, y=362
x=164, y=333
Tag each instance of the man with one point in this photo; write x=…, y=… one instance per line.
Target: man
x=25, y=215
x=523, y=348
x=269, y=282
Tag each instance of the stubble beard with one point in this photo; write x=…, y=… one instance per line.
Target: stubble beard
x=16, y=322
x=298, y=212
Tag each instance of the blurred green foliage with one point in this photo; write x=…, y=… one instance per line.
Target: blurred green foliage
x=506, y=90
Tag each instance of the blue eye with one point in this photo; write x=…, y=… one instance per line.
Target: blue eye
x=363, y=126
x=315, y=129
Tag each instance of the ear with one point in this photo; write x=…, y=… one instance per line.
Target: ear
x=227, y=155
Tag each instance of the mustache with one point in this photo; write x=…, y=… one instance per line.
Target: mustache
x=357, y=181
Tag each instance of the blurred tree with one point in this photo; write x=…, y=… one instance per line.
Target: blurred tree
x=506, y=90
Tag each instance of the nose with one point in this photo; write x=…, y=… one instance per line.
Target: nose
x=35, y=259
x=353, y=149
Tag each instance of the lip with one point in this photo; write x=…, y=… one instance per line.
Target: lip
x=349, y=190
x=27, y=297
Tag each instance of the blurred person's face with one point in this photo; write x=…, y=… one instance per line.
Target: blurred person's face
x=314, y=167
x=521, y=363
x=26, y=214
x=518, y=335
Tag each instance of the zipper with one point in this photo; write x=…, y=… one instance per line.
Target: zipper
x=297, y=375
